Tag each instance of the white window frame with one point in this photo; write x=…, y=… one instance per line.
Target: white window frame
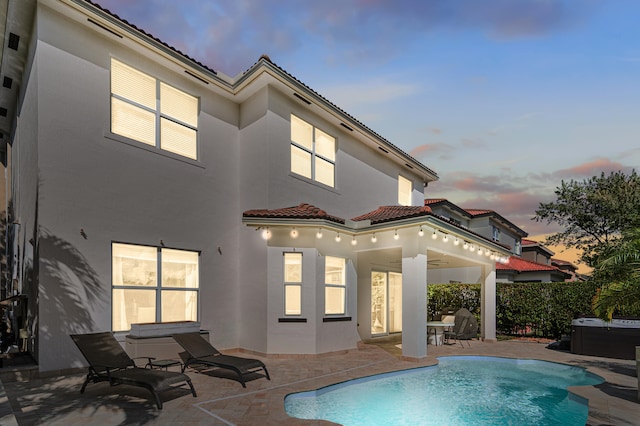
x=292, y=284
x=405, y=190
x=313, y=151
x=173, y=130
x=159, y=287
x=495, y=231
x=333, y=284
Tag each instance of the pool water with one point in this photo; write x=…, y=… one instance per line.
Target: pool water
x=460, y=390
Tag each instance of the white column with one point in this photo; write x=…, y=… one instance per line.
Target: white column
x=414, y=303
x=488, y=305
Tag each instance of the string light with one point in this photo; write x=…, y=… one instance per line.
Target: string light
x=445, y=238
x=420, y=232
x=319, y=233
x=338, y=237
x=434, y=235
x=456, y=242
x=374, y=238
x=294, y=233
x=266, y=234
x=465, y=245
x=395, y=235
x=354, y=241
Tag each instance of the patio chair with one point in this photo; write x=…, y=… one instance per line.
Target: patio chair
x=201, y=352
x=108, y=362
x=465, y=327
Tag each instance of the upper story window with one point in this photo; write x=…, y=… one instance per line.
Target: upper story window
x=313, y=152
x=152, y=112
x=405, y=187
x=495, y=233
x=518, y=248
x=153, y=284
x=292, y=283
x=335, y=290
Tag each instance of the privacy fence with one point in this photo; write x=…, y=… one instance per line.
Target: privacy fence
x=532, y=309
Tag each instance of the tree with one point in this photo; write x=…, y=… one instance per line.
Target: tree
x=619, y=276
x=593, y=213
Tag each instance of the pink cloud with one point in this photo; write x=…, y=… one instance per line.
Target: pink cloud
x=592, y=168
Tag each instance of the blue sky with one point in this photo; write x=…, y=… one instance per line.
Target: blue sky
x=502, y=98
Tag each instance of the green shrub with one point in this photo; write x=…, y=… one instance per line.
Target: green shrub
x=534, y=309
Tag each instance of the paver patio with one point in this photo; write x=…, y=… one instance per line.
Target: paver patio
x=57, y=400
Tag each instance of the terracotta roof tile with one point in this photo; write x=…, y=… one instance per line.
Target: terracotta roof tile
x=521, y=265
x=428, y=201
x=527, y=242
x=301, y=211
x=390, y=213
x=476, y=212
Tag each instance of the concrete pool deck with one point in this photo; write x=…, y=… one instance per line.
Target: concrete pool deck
x=57, y=400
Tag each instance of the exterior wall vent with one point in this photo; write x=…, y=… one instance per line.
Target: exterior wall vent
x=14, y=41
x=306, y=101
x=104, y=28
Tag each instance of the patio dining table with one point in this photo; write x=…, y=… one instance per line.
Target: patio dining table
x=437, y=328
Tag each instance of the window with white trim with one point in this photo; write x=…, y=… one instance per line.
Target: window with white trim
x=292, y=283
x=153, y=284
x=313, y=152
x=335, y=290
x=495, y=233
x=152, y=112
x=405, y=187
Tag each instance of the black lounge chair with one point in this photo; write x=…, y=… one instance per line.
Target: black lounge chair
x=200, y=352
x=108, y=362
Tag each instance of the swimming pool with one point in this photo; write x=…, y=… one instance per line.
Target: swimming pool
x=460, y=390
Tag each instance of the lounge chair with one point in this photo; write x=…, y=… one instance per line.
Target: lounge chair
x=108, y=362
x=200, y=352
x=465, y=327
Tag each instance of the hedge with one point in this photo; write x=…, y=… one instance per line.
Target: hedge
x=532, y=309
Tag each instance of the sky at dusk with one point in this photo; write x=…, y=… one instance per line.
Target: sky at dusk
x=502, y=99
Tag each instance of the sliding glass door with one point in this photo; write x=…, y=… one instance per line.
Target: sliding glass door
x=386, y=303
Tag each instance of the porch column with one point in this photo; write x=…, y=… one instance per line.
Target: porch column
x=414, y=303
x=488, y=305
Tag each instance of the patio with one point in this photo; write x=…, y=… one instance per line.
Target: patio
x=57, y=400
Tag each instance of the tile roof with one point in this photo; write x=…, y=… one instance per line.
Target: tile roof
x=301, y=211
x=477, y=212
x=390, y=213
x=517, y=264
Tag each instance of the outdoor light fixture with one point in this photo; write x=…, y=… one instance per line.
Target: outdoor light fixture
x=420, y=232
x=395, y=235
x=266, y=234
x=487, y=252
x=445, y=238
x=456, y=242
x=434, y=235
x=338, y=237
x=294, y=233
x=479, y=251
x=465, y=245
x=374, y=238
x=319, y=233
x=354, y=241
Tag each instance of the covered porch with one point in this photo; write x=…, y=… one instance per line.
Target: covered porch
x=393, y=253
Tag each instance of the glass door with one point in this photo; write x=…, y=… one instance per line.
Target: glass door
x=395, y=302
x=386, y=302
x=378, y=303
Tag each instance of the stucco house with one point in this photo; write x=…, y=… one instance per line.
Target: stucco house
x=143, y=186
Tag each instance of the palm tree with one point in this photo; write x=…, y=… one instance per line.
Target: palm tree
x=619, y=273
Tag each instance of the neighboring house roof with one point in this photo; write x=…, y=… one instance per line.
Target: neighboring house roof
x=301, y=211
x=390, y=213
x=447, y=204
x=563, y=264
x=476, y=213
x=522, y=266
x=535, y=245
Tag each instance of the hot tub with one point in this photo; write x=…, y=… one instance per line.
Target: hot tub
x=615, y=339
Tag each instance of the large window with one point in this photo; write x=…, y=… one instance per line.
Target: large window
x=292, y=283
x=152, y=284
x=152, y=112
x=313, y=152
x=405, y=187
x=335, y=289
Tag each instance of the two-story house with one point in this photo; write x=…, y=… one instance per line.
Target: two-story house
x=147, y=187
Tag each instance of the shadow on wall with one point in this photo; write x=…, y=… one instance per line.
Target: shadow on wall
x=69, y=289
